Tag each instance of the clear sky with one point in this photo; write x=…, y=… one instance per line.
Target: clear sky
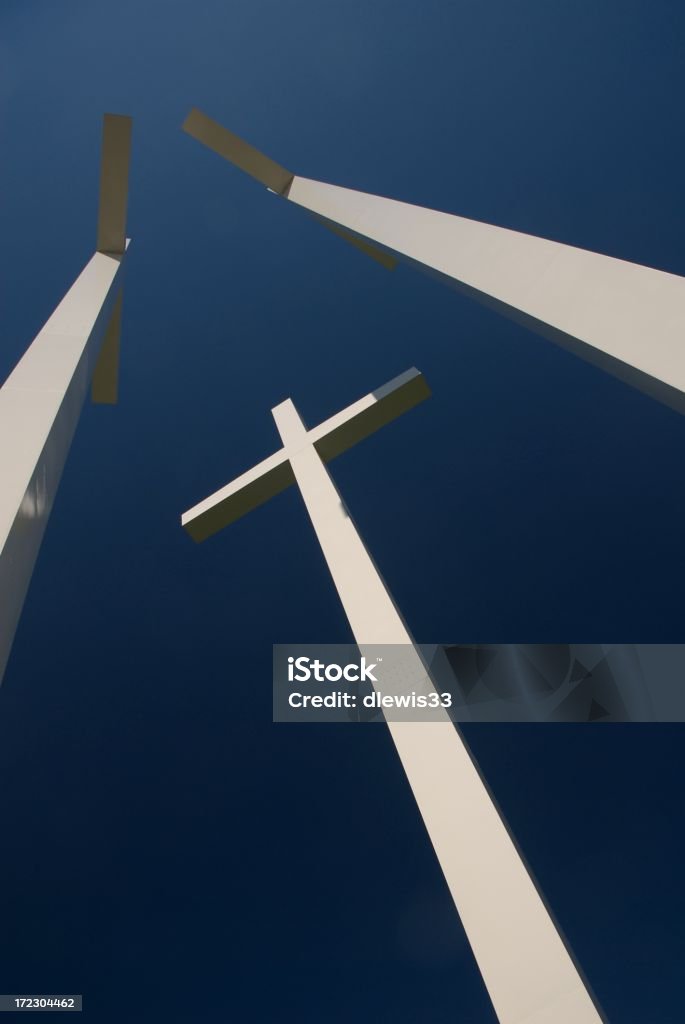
x=165, y=849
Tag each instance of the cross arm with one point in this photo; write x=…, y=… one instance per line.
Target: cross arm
x=112, y=241
x=385, y=259
x=234, y=149
x=116, y=155
x=236, y=499
x=331, y=438
x=265, y=170
x=335, y=435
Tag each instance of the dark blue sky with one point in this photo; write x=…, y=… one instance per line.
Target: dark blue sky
x=166, y=849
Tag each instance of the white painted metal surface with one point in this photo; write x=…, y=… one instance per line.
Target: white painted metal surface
x=626, y=318
x=527, y=969
x=41, y=400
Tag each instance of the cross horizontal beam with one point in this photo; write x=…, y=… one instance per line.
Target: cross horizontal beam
x=330, y=438
x=266, y=171
x=255, y=163
x=111, y=239
x=114, y=168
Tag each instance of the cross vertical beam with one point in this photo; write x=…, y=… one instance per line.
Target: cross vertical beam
x=41, y=400
x=528, y=971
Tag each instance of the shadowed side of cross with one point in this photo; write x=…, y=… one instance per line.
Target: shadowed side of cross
x=111, y=240
x=329, y=439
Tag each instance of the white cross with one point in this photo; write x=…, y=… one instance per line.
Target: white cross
x=625, y=318
x=527, y=969
x=41, y=400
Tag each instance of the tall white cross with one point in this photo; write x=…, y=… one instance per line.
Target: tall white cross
x=528, y=971
x=41, y=400
x=625, y=318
